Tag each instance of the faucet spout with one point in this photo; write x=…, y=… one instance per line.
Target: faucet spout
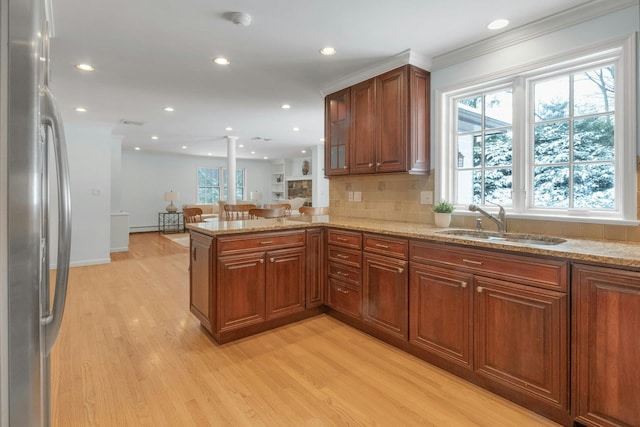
x=500, y=221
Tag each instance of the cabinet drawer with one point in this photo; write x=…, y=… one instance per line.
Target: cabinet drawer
x=389, y=246
x=347, y=274
x=344, y=298
x=348, y=239
x=550, y=274
x=345, y=256
x=252, y=242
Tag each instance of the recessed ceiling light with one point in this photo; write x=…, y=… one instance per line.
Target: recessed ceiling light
x=154, y=137
x=209, y=154
x=169, y=109
x=328, y=51
x=84, y=67
x=296, y=129
x=253, y=152
x=221, y=61
x=241, y=146
x=303, y=151
x=321, y=139
x=498, y=23
x=81, y=110
x=228, y=128
x=137, y=148
x=265, y=157
x=285, y=106
x=184, y=147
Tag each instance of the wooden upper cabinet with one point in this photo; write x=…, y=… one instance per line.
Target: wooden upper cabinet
x=388, y=125
x=337, y=122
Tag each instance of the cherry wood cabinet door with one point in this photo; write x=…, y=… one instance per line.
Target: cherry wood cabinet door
x=285, y=282
x=521, y=337
x=363, y=128
x=316, y=271
x=337, y=123
x=201, y=278
x=241, y=290
x=440, y=313
x=392, y=117
x=605, y=343
x=385, y=294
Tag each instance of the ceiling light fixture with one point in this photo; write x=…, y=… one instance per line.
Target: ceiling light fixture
x=327, y=51
x=169, y=109
x=154, y=137
x=81, y=110
x=265, y=157
x=285, y=106
x=253, y=152
x=241, y=18
x=137, y=148
x=321, y=139
x=229, y=128
x=209, y=154
x=221, y=61
x=241, y=146
x=184, y=147
x=84, y=67
x=498, y=24
x=303, y=151
x=296, y=129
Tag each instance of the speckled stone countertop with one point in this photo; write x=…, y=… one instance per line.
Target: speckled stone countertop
x=594, y=251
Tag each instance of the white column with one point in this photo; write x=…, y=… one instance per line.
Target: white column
x=231, y=169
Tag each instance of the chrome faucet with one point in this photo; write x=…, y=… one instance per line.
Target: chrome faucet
x=500, y=221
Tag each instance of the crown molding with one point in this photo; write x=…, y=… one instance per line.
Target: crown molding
x=567, y=18
x=403, y=58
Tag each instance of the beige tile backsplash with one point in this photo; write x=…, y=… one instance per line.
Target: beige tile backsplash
x=396, y=197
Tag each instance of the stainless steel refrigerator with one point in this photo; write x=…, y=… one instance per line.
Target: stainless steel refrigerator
x=30, y=133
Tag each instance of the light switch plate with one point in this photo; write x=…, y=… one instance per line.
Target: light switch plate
x=357, y=196
x=426, y=197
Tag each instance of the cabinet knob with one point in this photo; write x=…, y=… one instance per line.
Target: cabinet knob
x=261, y=261
x=479, y=289
x=344, y=167
x=463, y=284
x=378, y=164
x=370, y=165
x=400, y=269
x=272, y=259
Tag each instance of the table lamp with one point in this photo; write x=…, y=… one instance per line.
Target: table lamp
x=170, y=196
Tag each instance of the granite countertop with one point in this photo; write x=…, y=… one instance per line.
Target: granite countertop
x=595, y=251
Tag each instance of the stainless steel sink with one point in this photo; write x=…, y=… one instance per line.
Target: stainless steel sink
x=527, y=239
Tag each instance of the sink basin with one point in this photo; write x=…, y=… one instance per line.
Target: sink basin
x=527, y=239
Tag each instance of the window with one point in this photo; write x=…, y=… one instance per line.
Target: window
x=209, y=184
x=553, y=140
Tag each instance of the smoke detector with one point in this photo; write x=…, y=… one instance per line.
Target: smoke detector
x=241, y=18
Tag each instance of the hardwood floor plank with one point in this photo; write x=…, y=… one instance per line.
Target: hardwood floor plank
x=131, y=354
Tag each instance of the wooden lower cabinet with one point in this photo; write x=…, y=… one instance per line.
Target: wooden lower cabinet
x=441, y=313
x=385, y=296
x=285, y=282
x=201, y=276
x=315, y=267
x=521, y=338
x=605, y=343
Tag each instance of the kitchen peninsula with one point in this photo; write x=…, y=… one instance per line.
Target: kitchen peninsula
x=532, y=323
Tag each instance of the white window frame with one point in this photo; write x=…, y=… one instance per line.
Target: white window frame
x=222, y=187
x=622, y=52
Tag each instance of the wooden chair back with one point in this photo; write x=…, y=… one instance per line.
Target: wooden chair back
x=233, y=212
x=285, y=206
x=192, y=215
x=308, y=210
x=267, y=213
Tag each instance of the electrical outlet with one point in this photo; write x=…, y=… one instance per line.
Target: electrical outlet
x=350, y=196
x=357, y=196
x=426, y=197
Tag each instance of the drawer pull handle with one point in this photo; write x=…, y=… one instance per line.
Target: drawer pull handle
x=342, y=239
x=463, y=284
x=479, y=289
x=342, y=256
x=266, y=242
x=378, y=245
x=342, y=273
x=400, y=269
x=343, y=291
x=261, y=261
x=194, y=253
x=470, y=261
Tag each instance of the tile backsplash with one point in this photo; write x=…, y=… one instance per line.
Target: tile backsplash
x=397, y=198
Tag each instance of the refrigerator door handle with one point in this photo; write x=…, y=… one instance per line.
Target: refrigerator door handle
x=50, y=117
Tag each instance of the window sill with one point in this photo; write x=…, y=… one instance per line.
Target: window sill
x=558, y=218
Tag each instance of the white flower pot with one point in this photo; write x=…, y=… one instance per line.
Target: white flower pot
x=442, y=220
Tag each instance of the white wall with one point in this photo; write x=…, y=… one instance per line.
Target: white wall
x=146, y=176
x=89, y=151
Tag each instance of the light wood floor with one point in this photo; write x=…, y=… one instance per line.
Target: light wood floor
x=131, y=354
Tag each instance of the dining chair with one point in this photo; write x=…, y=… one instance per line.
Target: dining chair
x=285, y=206
x=233, y=212
x=192, y=215
x=267, y=213
x=308, y=210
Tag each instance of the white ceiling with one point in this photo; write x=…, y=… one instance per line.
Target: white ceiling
x=149, y=54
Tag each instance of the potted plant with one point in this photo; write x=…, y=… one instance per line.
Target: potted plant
x=442, y=213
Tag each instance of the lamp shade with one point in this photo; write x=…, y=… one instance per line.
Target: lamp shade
x=171, y=196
